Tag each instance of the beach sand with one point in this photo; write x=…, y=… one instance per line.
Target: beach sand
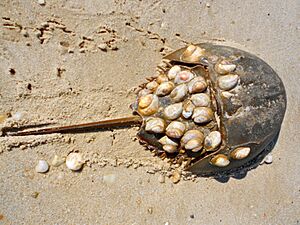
x=54, y=69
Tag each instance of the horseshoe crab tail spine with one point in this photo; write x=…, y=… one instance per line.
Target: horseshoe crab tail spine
x=103, y=124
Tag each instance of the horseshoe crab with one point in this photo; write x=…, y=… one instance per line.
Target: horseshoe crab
x=214, y=108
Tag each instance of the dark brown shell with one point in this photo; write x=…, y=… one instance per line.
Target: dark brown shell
x=250, y=117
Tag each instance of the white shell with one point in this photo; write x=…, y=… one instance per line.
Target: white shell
x=228, y=82
x=165, y=140
x=193, y=53
x=164, y=88
x=195, y=145
x=17, y=116
x=268, y=159
x=42, y=166
x=175, y=129
x=225, y=67
x=196, y=85
x=240, y=153
x=74, y=161
x=179, y=93
x=148, y=104
x=183, y=77
x=192, y=134
x=188, y=108
x=173, y=72
x=212, y=140
x=201, y=99
x=155, y=125
x=202, y=114
x=173, y=111
x=220, y=160
x=41, y=2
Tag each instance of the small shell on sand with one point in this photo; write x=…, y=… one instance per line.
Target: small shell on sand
x=17, y=116
x=268, y=159
x=42, y=166
x=176, y=176
x=58, y=160
x=41, y=2
x=74, y=161
x=103, y=46
x=161, y=178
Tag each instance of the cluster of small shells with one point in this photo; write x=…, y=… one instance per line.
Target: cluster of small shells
x=74, y=161
x=178, y=107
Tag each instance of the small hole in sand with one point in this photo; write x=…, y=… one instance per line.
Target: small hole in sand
x=12, y=71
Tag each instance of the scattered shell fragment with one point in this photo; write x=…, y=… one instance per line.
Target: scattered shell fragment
x=74, y=161
x=240, y=153
x=150, y=210
x=155, y=125
x=220, y=160
x=161, y=178
x=228, y=82
x=179, y=93
x=173, y=111
x=268, y=159
x=192, y=53
x=42, y=166
x=176, y=176
x=212, y=140
x=183, y=77
x=148, y=104
x=201, y=99
x=164, y=88
x=103, y=47
x=41, y=2
x=173, y=72
x=57, y=161
x=17, y=116
x=202, y=114
x=224, y=67
x=196, y=85
x=175, y=129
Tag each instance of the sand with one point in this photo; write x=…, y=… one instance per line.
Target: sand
x=55, y=69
